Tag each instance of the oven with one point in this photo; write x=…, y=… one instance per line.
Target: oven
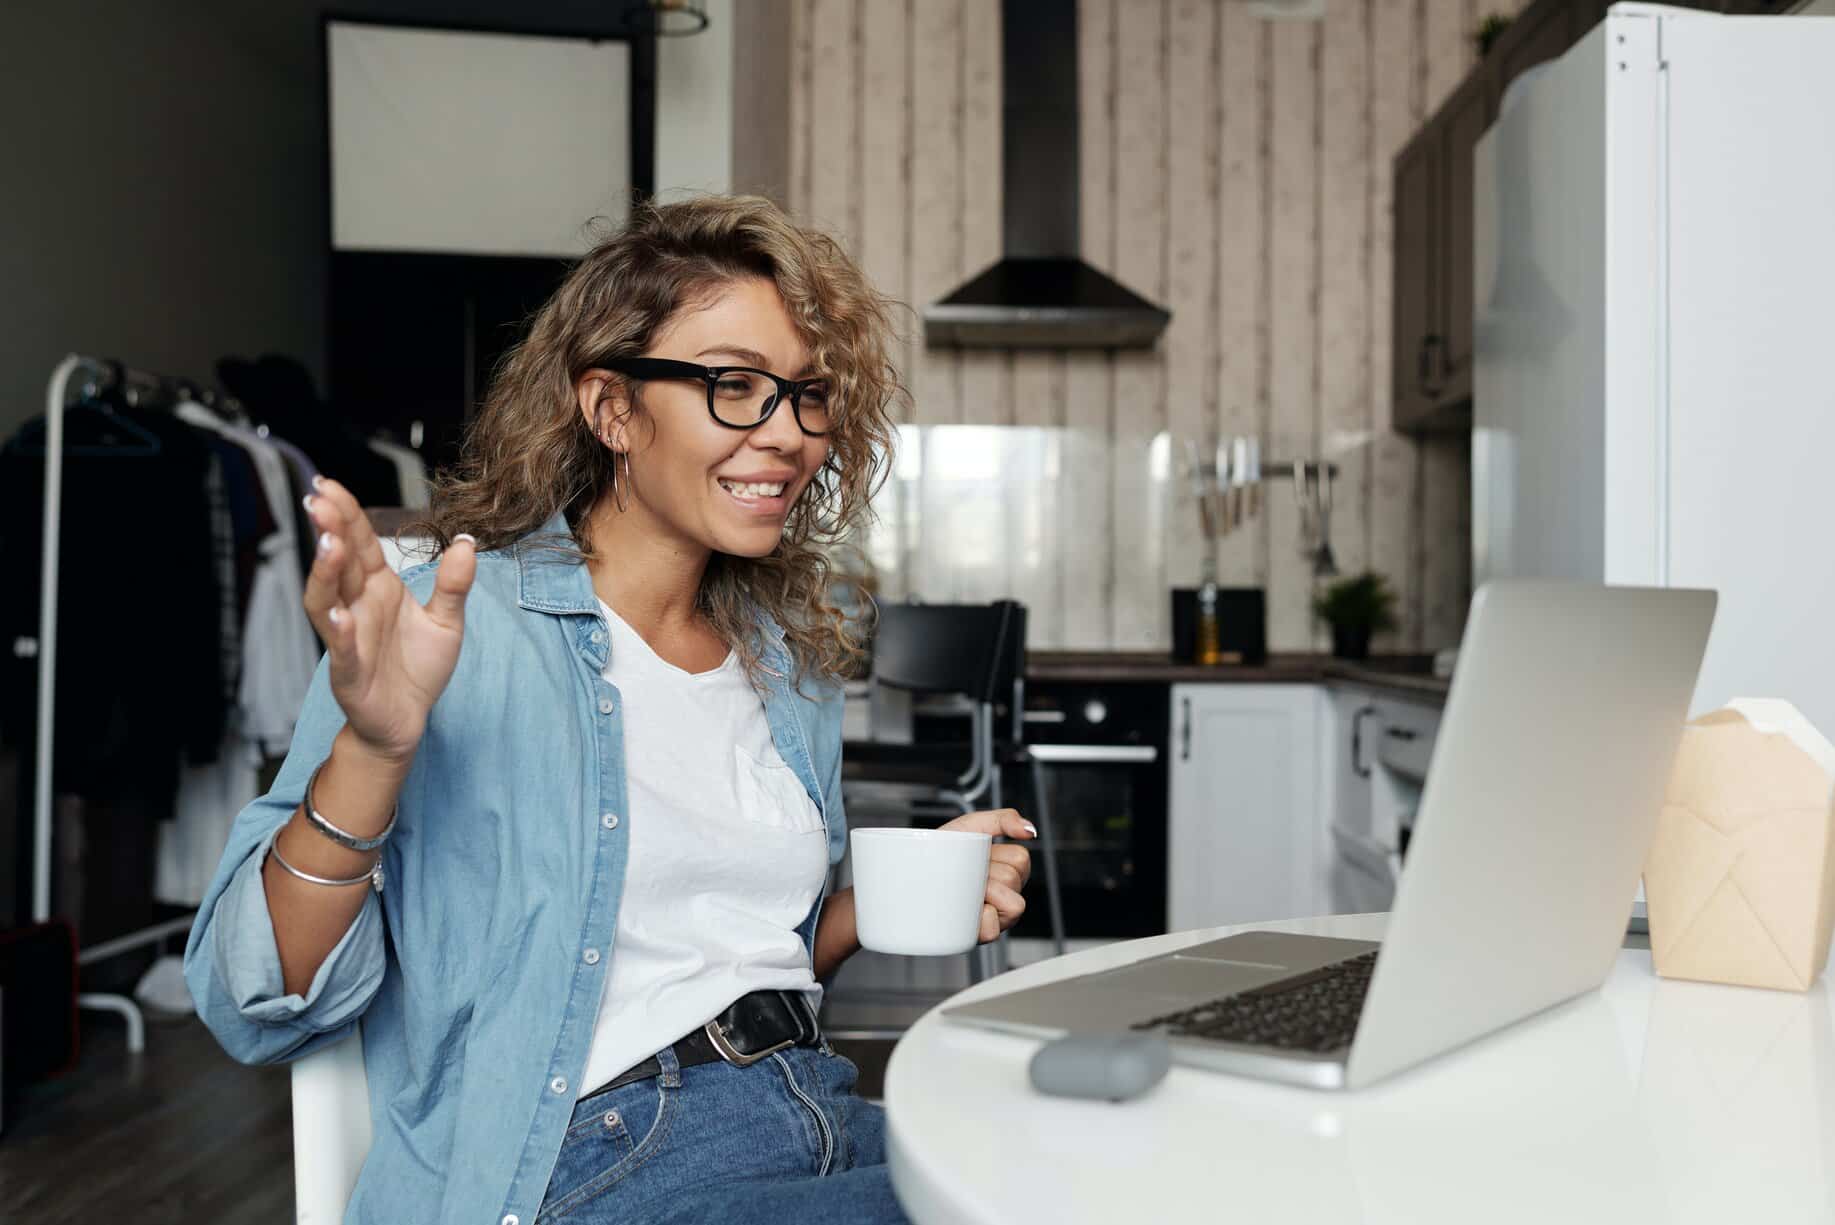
x=1102, y=754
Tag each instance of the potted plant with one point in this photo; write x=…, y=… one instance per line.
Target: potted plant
x=1356, y=608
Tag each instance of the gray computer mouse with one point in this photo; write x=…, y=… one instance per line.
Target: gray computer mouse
x=1109, y=1067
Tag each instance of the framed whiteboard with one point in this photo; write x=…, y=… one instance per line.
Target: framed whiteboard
x=476, y=143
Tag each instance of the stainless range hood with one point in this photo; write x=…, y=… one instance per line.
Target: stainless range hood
x=1040, y=294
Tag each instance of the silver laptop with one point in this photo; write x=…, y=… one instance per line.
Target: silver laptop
x=1541, y=800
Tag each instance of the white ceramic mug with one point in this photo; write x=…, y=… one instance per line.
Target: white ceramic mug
x=919, y=892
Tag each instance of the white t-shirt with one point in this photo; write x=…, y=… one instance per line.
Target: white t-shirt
x=727, y=854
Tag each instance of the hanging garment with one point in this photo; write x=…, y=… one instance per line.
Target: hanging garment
x=279, y=392
x=410, y=471
x=280, y=649
x=278, y=653
x=205, y=806
x=136, y=558
x=300, y=471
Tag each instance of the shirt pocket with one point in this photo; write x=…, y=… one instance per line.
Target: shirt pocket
x=771, y=795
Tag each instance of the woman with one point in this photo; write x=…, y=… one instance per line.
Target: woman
x=557, y=827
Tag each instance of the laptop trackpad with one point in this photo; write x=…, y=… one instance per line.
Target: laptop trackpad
x=1175, y=982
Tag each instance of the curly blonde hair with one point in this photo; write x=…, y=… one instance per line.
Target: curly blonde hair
x=529, y=453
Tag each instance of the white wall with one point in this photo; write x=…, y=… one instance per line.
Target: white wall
x=694, y=107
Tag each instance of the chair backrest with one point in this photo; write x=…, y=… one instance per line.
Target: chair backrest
x=1010, y=673
x=331, y=1129
x=942, y=648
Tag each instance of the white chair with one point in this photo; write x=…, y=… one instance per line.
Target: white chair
x=331, y=1129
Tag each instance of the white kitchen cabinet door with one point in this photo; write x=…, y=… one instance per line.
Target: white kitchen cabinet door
x=1347, y=742
x=1245, y=828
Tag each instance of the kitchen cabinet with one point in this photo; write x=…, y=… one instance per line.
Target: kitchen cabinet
x=1432, y=360
x=1374, y=756
x=1541, y=33
x=1245, y=785
x=1431, y=336
x=1463, y=120
x=1415, y=279
x=1347, y=748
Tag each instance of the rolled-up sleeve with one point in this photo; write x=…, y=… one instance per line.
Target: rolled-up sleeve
x=232, y=965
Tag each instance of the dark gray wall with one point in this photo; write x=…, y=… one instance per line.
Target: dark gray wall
x=162, y=179
x=163, y=197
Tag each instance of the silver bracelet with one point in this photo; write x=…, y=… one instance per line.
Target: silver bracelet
x=372, y=878
x=350, y=841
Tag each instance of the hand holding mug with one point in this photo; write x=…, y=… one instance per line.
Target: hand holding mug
x=1009, y=867
x=933, y=892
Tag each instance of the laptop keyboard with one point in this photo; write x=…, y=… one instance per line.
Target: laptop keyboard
x=1316, y=1011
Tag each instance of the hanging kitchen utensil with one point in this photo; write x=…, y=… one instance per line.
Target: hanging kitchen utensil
x=1225, y=481
x=1324, y=564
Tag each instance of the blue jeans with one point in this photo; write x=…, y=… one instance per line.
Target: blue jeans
x=783, y=1141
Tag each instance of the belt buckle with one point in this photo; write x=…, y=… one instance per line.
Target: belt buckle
x=733, y=1054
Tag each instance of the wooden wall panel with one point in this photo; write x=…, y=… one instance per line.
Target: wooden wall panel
x=936, y=224
x=834, y=168
x=1234, y=169
x=1088, y=580
x=1345, y=400
x=1139, y=407
x=1190, y=340
x=802, y=145
x=1290, y=410
x=1390, y=526
x=1242, y=270
x=882, y=243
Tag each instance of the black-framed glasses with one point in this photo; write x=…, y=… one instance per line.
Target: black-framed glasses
x=739, y=397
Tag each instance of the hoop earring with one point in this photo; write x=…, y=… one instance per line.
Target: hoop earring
x=618, y=487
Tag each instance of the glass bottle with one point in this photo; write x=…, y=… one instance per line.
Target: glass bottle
x=1210, y=645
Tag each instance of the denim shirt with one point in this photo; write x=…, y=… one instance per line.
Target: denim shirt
x=469, y=973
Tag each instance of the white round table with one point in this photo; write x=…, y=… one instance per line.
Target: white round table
x=1648, y=1101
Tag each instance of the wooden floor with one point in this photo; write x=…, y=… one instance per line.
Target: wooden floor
x=180, y=1133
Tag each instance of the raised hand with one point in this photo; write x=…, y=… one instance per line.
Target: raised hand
x=390, y=656
x=1009, y=867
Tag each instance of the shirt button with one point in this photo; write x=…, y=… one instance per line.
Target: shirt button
x=609, y=820
x=605, y=706
x=510, y=1218
x=598, y=635
x=558, y=1085
x=590, y=957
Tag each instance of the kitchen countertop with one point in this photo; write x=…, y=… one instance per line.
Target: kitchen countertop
x=1408, y=675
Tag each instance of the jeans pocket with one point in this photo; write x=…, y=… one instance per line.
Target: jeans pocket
x=610, y=1137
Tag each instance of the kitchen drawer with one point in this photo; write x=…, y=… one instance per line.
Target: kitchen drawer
x=1363, y=874
x=1405, y=743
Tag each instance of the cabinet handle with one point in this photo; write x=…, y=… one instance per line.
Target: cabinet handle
x=1357, y=742
x=1185, y=729
x=1425, y=364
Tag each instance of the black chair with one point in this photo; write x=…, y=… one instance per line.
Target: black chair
x=970, y=651
x=976, y=652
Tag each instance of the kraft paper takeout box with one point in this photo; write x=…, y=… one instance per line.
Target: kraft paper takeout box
x=1740, y=883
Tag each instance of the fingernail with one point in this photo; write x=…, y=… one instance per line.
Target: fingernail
x=318, y=482
x=1030, y=828
x=307, y=503
x=336, y=616
x=467, y=537
x=324, y=543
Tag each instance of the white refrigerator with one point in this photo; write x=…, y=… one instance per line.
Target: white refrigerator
x=1654, y=388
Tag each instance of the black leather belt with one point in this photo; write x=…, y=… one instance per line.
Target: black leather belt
x=757, y=1024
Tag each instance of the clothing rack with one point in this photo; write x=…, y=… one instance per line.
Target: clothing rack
x=100, y=375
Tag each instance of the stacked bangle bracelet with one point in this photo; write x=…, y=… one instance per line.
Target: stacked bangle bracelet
x=372, y=878
x=317, y=820
x=337, y=835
